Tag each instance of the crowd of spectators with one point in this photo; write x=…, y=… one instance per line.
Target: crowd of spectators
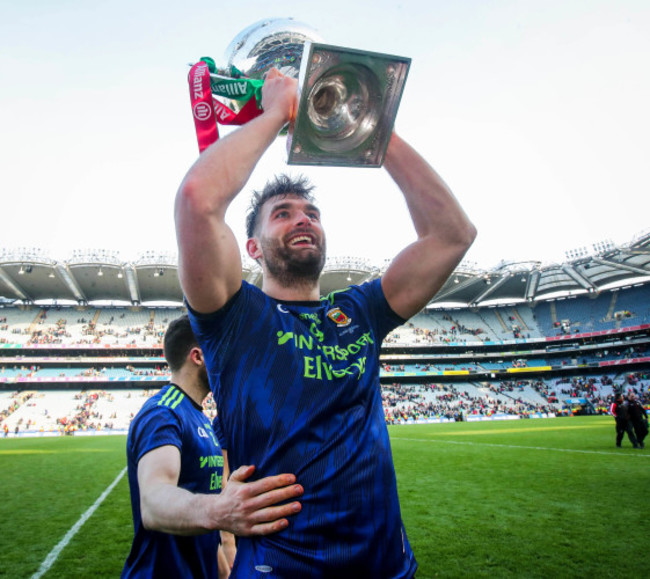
x=86, y=417
x=435, y=401
x=598, y=391
x=156, y=371
x=402, y=403
x=88, y=332
x=18, y=399
x=442, y=335
x=31, y=371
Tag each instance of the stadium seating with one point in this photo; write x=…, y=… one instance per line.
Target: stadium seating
x=90, y=369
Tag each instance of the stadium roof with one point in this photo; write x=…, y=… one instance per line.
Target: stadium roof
x=28, y=276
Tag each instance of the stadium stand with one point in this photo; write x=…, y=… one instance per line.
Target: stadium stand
x=88, y=369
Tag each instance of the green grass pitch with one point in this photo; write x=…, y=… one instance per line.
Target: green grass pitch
x=526, y=498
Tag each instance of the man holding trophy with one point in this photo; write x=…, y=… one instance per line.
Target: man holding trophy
x=295, y=375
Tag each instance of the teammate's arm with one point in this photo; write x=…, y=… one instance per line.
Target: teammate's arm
x=444, y=233
x=209, y=259
x=241, y=508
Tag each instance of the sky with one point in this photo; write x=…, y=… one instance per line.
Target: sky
x=534, y=112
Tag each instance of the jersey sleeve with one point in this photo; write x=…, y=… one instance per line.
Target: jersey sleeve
x=378, y=312
x=156, y=427
x=216, y=330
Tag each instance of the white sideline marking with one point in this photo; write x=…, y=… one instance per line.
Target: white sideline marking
x=640, y=453
x=54, y=553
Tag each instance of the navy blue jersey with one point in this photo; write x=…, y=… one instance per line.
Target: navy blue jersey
x=172, y=418
x=297, y=390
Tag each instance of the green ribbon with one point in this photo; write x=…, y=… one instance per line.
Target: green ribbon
x=236, y=88
x=212, y=67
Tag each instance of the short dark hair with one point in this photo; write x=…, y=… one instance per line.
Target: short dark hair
x=179, y=340
x=281, y=185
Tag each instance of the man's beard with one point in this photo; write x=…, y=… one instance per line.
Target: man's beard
x=292, y=267
x=204, y=378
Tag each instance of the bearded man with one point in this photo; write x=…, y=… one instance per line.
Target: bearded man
x=296, y=375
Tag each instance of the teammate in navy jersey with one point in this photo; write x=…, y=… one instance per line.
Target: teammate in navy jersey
x=175, y=470
x=296, y=376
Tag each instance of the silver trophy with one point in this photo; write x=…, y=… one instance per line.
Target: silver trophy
x=347, y=100
x=275, y=42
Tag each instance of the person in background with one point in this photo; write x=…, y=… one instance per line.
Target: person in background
x=620, y=411
x=638, y=418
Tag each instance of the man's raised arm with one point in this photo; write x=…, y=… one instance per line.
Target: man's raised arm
x=209, y=258
x=444, y=232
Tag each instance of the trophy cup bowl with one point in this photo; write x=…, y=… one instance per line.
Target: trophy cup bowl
x=274, y=42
